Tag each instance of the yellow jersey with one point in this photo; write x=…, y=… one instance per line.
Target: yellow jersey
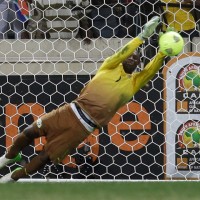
x=111, y=87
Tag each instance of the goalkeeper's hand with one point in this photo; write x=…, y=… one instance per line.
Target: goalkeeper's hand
x=149, y=28
x=167, y=30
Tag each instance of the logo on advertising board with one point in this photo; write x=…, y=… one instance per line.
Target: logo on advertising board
x=182, y=122
x=188, y=88
x=188, y=146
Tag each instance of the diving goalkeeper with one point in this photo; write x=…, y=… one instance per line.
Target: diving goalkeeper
x=65, y=128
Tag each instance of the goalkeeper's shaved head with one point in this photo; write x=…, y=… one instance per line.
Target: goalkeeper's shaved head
x=131, y=63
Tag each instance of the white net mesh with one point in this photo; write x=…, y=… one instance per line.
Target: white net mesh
x=46, y=61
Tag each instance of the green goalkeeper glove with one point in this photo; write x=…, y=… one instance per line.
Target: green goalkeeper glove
x=167, y=30
x=149, y=28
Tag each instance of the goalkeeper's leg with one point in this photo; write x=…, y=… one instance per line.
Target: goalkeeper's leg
x=149, y=28
x=35, y=164
x=22, y=140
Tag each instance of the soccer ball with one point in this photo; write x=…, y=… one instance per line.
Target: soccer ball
x=171, y=43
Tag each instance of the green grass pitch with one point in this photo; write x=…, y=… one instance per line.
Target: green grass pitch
x=101, y=191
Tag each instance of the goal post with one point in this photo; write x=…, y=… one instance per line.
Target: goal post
x=143, y=141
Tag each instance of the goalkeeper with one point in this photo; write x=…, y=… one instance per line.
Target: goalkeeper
x=66, y=127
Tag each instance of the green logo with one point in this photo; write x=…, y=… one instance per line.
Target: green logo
x=191, y=81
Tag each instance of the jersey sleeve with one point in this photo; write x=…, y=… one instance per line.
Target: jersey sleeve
x=142, y=78
x=126, y=51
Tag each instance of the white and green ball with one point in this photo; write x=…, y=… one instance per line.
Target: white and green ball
x=171, y=43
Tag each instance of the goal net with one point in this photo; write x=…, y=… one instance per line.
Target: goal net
x=58, y=49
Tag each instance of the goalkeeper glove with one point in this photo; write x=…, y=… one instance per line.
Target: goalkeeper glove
x=167, y=30
x=149, y=28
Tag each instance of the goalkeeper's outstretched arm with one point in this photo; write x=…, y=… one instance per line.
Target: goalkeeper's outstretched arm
x=127, y=50
x=143, y=77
